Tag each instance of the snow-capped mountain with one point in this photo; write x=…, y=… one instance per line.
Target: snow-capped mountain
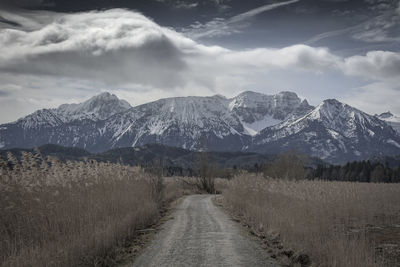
x=248, y=122
x=257, y=111
x=215, y=122
x=391, y=119
x=47, y=125
x=99, y=107
x=334, y=132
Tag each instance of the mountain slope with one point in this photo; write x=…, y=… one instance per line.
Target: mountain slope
x=190, y=122
x=334, y=132
x=215, y=122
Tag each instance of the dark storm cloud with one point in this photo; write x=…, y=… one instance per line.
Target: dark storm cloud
x=4, y=93
x=25, y=3
x=8, y=23
x=336, y=0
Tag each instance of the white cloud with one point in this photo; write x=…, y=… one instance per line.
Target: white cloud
x=301, y=57
x=116, y=46
x=378, y=65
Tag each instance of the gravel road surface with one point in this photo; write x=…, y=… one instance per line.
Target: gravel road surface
x=200, y=234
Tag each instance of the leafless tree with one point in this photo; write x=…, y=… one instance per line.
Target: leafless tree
x=205, y=179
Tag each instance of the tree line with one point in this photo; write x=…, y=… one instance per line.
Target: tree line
x=358, y=171
x=294, y=166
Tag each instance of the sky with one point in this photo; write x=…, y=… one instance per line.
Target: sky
x=66, y=51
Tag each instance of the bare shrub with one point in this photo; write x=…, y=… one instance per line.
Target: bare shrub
x=205, y=180
x=73, y=213
x=327, y=220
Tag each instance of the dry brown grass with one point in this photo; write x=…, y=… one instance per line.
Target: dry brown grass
x=74, y=213
x=326, y=220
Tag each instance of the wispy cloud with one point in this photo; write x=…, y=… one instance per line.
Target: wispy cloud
x=383, y=27
x=334, y=33
x=221, y=26
x=259, y=10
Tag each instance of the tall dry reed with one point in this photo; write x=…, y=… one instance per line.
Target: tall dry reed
x=70, y=214
x=326, y=220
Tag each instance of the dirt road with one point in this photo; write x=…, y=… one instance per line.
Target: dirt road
x=200, y=234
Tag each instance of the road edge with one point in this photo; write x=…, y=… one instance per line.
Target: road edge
x=135, y=247
x=269, y=242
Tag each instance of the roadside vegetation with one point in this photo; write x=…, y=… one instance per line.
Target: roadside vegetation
x=75, y=213
x=333, y=223
x=55, y=213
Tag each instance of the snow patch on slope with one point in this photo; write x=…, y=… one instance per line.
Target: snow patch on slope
x=392, y=142
x=255, y=127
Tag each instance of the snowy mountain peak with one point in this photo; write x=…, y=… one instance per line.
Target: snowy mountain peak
x=105, y=95
x=219, y=96
x=385, y=115
x=248, y=99
x=249, y=94
x=333, y=131
x=39, y=119
x=287, y=95
x=388, y=116
x=390, y=119
x=332, y=103
x=285, y=102
x=99, y=107
x=336, y=114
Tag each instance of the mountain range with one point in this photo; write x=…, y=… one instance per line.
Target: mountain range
x=249, y=122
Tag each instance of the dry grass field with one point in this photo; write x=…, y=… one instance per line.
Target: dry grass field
x=73, y=213
x=339, y=224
